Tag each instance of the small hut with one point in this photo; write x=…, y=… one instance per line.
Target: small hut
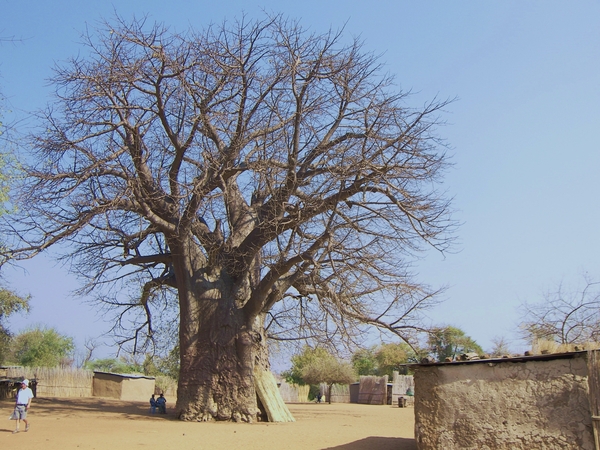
x=543, y=401
x=130, y=387
x=10, y=384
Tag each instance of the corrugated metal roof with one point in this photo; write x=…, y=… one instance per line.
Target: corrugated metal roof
x=125, y=375
x=547, y=357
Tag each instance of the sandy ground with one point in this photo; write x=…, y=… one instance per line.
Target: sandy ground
x=97, y=423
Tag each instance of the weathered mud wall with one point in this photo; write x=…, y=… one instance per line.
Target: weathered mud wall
x=137, y=389
x=106, y=385
x=123, y=387
x=504, y=405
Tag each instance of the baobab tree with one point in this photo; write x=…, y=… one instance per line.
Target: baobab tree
x=269, y=180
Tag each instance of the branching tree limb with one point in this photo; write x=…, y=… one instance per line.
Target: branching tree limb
x=566, y=316
x=254, y=179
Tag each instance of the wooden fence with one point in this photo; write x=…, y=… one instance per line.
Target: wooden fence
x=57, y=381
x=340, y=393
x=293, y=393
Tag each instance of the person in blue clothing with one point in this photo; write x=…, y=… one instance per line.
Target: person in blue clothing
x=152, y=404
x=161, y=404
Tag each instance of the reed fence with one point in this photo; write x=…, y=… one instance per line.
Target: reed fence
x=340, y=393
x=293, y=393
x=57, y=381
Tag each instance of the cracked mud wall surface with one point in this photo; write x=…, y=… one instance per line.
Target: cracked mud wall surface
x=504, y=405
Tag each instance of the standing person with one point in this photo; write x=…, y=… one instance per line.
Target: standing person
x=22, y=405
x=152, y=404
x=161, y=403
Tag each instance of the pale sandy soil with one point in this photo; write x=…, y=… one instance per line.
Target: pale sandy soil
x=94, y=423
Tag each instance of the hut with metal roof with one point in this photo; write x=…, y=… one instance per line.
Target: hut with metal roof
x=130, y=387
x=9, y=384
x=542, y=401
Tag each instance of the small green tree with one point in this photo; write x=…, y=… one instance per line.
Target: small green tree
x=169, y=365
x=149, y=366
x=390, y=356
x=302, y=360
x=328, y=370
x=114, y=365
x=448, y=342
x=364, y=362
x=41, y=347
x=383, y=360
x=10, y=303
x=154, y=365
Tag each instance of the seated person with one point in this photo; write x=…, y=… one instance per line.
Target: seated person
x=152, y=404
x=161, y=404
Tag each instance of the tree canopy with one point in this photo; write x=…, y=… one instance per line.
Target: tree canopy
x=10, y=303
x=115, y=365
x=314, y=366
x=383, y=359
x=41, y=347
x=449, y=342
x=364, y=362
x=390, y=356
x=330, y=371
x=250, y=181
x=301, y=360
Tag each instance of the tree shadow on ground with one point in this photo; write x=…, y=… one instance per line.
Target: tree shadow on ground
x=379, y=443
x=73, y=406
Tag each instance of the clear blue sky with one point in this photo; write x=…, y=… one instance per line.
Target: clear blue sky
x=523, y=131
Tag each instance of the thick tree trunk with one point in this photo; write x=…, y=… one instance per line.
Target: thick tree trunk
x=224, y=356
x=216, y=375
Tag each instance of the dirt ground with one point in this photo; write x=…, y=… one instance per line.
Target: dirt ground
x=98, y=423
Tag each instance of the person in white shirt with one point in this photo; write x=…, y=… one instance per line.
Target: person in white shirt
x=22, y=405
